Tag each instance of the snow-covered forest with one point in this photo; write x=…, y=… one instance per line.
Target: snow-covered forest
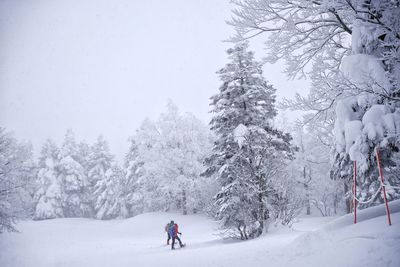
x=249, y=169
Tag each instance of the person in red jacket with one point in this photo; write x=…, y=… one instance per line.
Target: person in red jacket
x=173, y=233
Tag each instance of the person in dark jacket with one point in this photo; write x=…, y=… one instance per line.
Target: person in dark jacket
x=173, y=232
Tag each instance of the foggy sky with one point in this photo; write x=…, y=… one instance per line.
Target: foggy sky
x=102, y=66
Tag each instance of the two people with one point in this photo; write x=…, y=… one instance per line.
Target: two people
x=172, y=232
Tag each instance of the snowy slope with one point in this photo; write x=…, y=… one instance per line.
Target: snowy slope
x=140, y=241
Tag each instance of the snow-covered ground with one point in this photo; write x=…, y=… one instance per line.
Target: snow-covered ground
x=140, y=241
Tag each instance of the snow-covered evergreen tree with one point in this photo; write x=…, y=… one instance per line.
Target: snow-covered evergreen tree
x=110, y=202
x=17, y=173
x=99, y=161
x=83, y=156
x=48, y=197
x=247, y=149
x=133, y=170
x=71, y=174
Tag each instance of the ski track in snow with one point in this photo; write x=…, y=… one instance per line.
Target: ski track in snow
x=140, y=241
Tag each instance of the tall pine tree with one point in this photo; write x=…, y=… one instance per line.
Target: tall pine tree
x=110, y=202
x=248, y=150
x=48, y=197
x=99, y=161
x=71, y=174
x=133, y=166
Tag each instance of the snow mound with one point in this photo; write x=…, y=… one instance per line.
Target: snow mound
x=363, y=215
x=370, y=242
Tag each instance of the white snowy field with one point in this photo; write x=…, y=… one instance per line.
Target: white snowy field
x=140, y=241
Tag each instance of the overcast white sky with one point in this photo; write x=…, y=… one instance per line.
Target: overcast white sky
x=102, y=66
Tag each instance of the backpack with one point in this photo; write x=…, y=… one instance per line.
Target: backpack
x=171, y=230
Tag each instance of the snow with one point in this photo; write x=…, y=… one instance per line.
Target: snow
x=49, y=163
x=140, y=241
x=344, y=114
x=374, y=114
x=376, y=124
x=362, y=34
x=356, y=41
x=353, y=131
x=240, y=133
x=364, y=71
x=391, y=122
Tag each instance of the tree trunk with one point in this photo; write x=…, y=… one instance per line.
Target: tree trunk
x=244, y=232
x=348, y=200
x=308, y=205
x=184, y=208
x=335, y=203
x=241, y=233
x=262, y=209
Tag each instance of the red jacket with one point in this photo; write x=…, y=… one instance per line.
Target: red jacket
x=176, y=229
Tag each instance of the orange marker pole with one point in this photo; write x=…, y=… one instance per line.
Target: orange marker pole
x=383, y=186
x=354, y=192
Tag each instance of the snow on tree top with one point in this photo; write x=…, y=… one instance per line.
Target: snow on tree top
x=365, y=70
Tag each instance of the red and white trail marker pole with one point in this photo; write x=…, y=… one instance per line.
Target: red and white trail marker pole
x=355, y=191
x=383, y=185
